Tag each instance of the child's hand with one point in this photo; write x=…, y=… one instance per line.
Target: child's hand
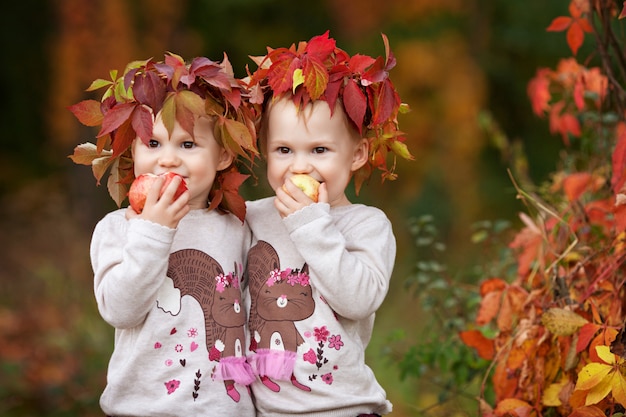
x=163, y=210
x=294, y=199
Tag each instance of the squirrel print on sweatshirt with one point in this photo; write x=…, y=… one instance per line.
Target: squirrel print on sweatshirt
x=278, y=299
x=200, y=276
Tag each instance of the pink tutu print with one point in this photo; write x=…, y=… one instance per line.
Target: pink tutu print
x=276, y=364
x=235, y=368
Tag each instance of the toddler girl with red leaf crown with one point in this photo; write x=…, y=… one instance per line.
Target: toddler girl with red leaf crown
x=319, y=266
x=167, y=275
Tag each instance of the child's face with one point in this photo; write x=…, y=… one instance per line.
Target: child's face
x=311, y=142
x=196, y=160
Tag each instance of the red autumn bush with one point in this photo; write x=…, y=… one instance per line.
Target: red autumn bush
x=553, y=331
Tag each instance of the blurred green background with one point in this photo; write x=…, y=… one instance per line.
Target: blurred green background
x=458, y=61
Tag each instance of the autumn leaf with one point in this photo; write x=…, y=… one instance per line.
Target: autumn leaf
x=87, y=112
x=538, y=91
x=575, y=24
x=587, y=411
x=124, y=137
x=575, y=184
x=476, y=339
x=600, y=379
x=86, y=153
x=552, y=394
x=315, y=77
x=562, y=322
x=585, y=334
x=355, y=103
x=142, y=123
x=320, y=47
x=115, y=117
x=225, y=193
x=513, y=407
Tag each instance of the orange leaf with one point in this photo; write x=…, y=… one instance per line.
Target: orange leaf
x=587, y=411
x=575, y=36
x=539, y=91
x=492, y=284
x=576, y=184
x=513, y=407
x=475, y=339
x=504, y=381
x=489, y=307
x=559, y=24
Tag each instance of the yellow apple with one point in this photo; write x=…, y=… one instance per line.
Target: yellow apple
x=308, y=184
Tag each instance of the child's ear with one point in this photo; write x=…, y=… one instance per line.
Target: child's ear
x=361, y=153
x=226, y=158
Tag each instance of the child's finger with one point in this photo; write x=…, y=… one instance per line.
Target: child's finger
x=155, y=190
x=170, y=190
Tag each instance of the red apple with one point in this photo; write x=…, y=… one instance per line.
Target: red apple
x=308, y=184
x=142, y=184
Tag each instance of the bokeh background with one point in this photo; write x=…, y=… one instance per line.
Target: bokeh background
x=460, y=62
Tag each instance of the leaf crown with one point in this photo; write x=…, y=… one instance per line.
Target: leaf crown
x=181, y=92
x=319, y=70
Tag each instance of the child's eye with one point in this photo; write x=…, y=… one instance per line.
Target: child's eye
x=188, y=144
x=320, y=149
x=283, y=149
x=153, y=143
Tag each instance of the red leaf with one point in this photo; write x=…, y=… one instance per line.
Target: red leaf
x=585, y=334
x=376, y=73
x=359, y=63
x=475, y=339
x=142, y=123
x=227, y=196
x=280, y=74
x=115, y=117
x=355, y=103
x=386, y=102
x=149, y=89
x=320, y=46
x=87, y=112
x=315, y=77
x=123, y=138
x=559, y=24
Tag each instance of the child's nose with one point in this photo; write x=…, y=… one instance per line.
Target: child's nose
x=300, y=165
x=169, y=157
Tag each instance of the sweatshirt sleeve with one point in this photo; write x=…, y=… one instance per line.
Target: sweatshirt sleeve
x=130, y=260
x=352, y=267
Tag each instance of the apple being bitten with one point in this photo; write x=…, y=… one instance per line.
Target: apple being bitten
x=142, y=184
x=309, y=185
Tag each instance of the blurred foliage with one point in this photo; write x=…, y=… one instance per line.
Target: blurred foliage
x=455, y=60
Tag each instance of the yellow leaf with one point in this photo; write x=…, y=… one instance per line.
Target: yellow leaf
x=600, y=390
x=619, y=388
x=298, y=78
x=552, y=392
x=604, y=353
x=561, y=322
x=591, y=375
